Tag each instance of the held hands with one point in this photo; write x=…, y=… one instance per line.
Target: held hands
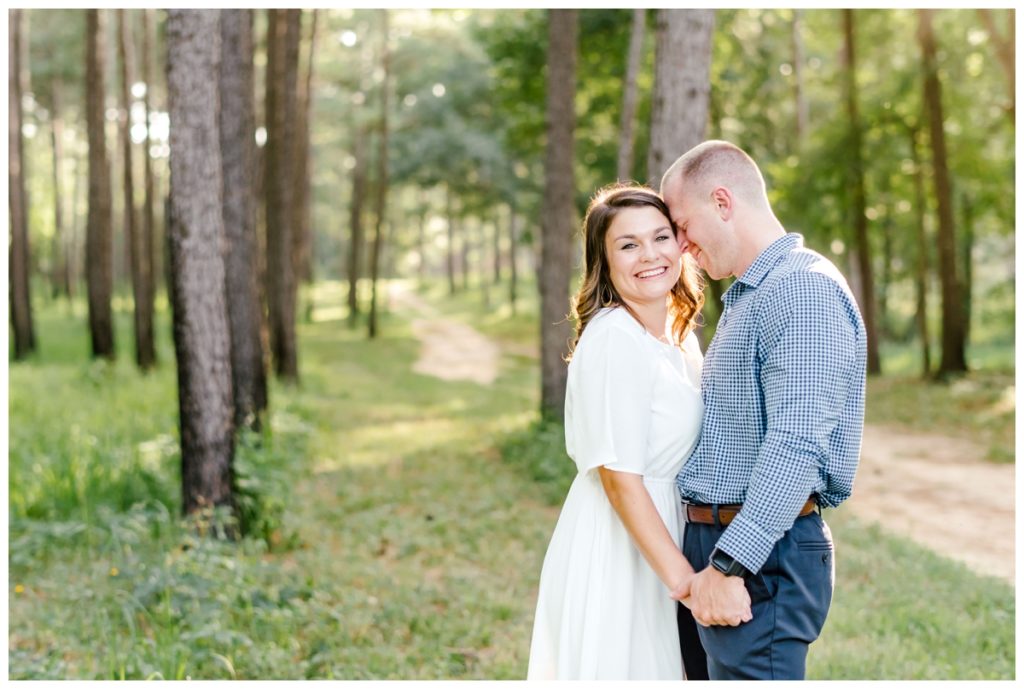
x=716, y=599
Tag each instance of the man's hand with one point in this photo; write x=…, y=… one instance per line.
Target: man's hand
x=716, y=599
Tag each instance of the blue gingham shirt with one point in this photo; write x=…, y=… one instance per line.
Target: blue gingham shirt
x=783, y=388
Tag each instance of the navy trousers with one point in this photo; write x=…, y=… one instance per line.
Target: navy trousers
x=790, y=598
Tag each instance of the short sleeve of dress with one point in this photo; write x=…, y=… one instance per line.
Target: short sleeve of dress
x=613, y=404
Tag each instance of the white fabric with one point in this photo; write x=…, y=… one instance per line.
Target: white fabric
x=632, y=404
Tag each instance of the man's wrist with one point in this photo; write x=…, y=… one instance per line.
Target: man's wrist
x=727, y=564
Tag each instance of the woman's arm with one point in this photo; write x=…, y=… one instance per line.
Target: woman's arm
x=633, y=504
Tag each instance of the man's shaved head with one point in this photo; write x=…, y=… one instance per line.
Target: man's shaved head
x=717, y=164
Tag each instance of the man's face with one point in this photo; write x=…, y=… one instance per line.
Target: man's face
x=708, y=237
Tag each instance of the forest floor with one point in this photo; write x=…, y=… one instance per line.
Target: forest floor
x=934, y=489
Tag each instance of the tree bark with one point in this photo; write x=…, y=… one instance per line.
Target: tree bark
x=237, y=146
x=967, y=256
x=282, y=105
x=682, y=83
x=356, y=238
x=858, y=204
x=99, y=265
x=196, y=234
x=636, y=45
x=558, y=211
x=921, y=263
x=145, y=354
x=21, y=302
x=382, y=175
x=953, y=333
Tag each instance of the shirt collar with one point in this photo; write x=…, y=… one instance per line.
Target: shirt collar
x=767, y=259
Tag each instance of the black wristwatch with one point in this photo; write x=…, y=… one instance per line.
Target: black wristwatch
x=727, y=564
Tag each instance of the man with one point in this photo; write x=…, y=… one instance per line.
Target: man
x=783, y=388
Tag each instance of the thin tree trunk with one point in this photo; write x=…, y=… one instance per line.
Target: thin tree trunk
x=558, y=210
x=682, y=83
x=382, y=175
x=481, y=244
x=145, y=355
x=800, y=101
x=21, y=302
x=201, y=337
x=883, y=289
x=282, y=105
x=61, y=259
x=237, y=145
x=855, y=165
x=356, y=240
x=921, y=263
x=148, y=240
x=73, y=248
x=99, y=265
x=451, y=239
x=1005, y=53
x=953, y=333
x=967, y=256
x=463, y=232
x=636, y=45
x=496, y=236
x=513, y=244
x=303, y=238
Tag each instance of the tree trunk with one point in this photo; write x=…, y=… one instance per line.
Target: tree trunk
x=513, y=244
x=1005, y=53
x=679, y=104
x=953, y=334
x=885, y=284
x=855, y=165
x=421, y=240
x=21, y=302
x=303, y=238
x=60, y=261
x=800, y=101
x=356, y=240
x=196, y=233
x=237, y=146
x=99, y=265
x=463, y=233
x=450, y=217
x=636, y=45
x=382, y=175
x=921, y=264
x=496, y=236
x=282, y=106
x=967, y=256
x=558, y=214
x=481, y=244
x=148, y=237
x=145, y=355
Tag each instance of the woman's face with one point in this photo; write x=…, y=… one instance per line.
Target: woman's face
x=643, y=255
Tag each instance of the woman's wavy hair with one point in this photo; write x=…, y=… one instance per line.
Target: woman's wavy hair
x=597, y=291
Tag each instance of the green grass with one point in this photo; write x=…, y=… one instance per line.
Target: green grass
x=404, y=523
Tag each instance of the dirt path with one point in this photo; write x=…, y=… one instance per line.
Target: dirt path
x=925, y=487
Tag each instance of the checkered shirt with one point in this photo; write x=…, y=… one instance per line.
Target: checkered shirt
x=783, y=388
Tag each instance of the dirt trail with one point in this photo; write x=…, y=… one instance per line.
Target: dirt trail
x=929, y=488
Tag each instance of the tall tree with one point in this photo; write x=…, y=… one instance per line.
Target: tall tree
x=679, y=104
x=636, y=45
x=145, y=353
x=921, y=259
x=99, y=265
x=513, y=246
x=302, y=238
x=21, y=303
x=953, y=330
x=201, y=340
x=279, y=171
x=558, y=212
x=380, y=209
x=237, y=146
x=148, y=235
x=355, y=207
x=857, y=207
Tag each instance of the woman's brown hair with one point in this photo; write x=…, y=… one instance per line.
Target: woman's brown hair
x=597, y=291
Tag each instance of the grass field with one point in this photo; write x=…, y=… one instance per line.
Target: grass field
x=403, y=523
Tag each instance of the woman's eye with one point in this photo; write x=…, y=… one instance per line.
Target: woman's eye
x=661, y=237
x=630, y=245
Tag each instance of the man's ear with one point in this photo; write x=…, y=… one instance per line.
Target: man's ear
x=724, y=202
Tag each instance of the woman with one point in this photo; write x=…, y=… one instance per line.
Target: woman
x=632, y=414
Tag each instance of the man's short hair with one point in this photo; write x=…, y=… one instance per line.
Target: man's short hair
x=718, y=163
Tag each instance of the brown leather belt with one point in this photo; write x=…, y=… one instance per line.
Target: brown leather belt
x=705, y=514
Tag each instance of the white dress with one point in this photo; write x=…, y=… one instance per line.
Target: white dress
x=632, y=404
